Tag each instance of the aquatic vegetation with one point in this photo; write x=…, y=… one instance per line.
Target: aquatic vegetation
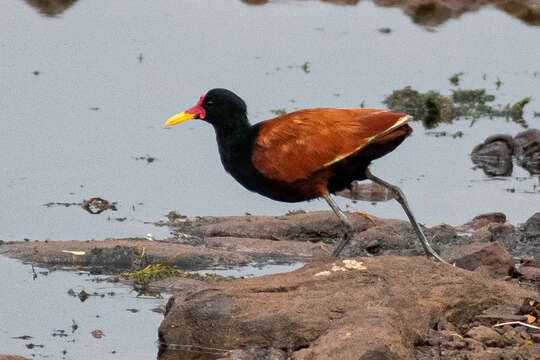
x=433, y=108
x=152, y=273
x=454, y=79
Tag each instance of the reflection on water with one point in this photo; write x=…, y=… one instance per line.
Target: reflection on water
x=51, y=8
x=437, y=12
x=432, y=13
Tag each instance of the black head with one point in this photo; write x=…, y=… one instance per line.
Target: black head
x=220, y=107
x=222, y=104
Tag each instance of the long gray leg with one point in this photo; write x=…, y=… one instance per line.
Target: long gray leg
x=400, y=197
x=349, y=228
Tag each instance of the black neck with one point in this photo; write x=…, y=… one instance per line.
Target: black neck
x=231, y=127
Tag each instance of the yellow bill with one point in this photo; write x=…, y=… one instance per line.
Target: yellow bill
x=179, y=118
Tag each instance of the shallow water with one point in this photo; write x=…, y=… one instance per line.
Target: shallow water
x=41, y=308
x=86, y=93
x=73, y=131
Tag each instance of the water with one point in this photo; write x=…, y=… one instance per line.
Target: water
x=42, y=309
x=253, y=270
x=85, y=93
x=56, y=147
x=128, y=334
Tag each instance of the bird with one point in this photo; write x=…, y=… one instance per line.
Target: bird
x=306, y=154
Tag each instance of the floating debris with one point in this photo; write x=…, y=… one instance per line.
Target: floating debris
x=98, y=205
x=305, y=67
x=149, y=159
x=98, y=334
x=498, y=83
x=59, y=333
x=454, y=79
x=65, y=204
x=278, y=112
x=78, y=253
x=23, y=337
x=455, y=135
x=94, y=205
x=83, y=295
x=385, y=30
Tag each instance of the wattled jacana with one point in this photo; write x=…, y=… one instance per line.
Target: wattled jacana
x=305, y=154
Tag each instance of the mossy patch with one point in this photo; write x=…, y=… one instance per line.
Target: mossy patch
x=152, y=273
x=433, y=108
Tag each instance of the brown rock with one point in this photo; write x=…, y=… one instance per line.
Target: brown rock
x=527, y=145
x=494, y=155
x=485, y=335
x=530, y=272
x=312, y=226
x=436, y=12
x=366, y=192
x=492, y=217
x=512, y=337
x=51, y=8
x=532, y=226
x=386, y=236
x=255, y=354
x=369, y=308
x=491, y=256
x=116, y=255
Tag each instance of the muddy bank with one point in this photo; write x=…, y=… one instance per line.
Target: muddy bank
x=112, y=256
x=385, y=307
x=370, y=306
x=206, y=242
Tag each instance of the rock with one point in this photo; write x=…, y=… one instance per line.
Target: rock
x=366, y=308
x=530, y=272
x=366, y=192
x=494, y=155
x=511, y=337
x=387, y=236
x=51, y=8
x=487, y=218
x=532, y=227
x=255, y=354
x=485, y=335
x=312, y=226
x=205, y=242
x=436, y=12
x=491, y=257
x=527, y=145
x=117, y=255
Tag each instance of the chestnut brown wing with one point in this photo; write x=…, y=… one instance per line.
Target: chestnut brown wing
x=296, y=145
